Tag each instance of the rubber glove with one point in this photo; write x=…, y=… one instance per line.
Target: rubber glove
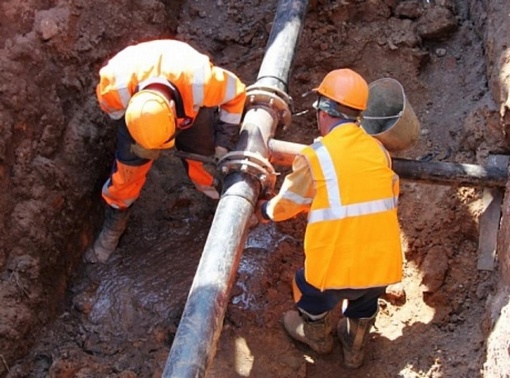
x=260, y=213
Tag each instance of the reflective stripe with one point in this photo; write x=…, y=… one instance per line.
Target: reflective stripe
x=122, y=89
x=394, y=182
x=113, y=113
x=328, y=170
x=198, y=87
x=230, y=93
x=296, y=198
x=229, y=117
x=124, y=96
x=354, y=210
x=336, y=210
x=117, y=115
x=230, y=90
x=110, y=199
x=388, y=157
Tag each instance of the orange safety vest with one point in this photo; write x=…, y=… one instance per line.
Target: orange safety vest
x=200, y=83
x=352, y=239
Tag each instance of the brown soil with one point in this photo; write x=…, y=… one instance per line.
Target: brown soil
x=61, y=318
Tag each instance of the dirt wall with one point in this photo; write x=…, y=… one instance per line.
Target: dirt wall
x=56, y=148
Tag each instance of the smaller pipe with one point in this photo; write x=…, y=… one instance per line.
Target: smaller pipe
x=442, y=173
x=282, y=152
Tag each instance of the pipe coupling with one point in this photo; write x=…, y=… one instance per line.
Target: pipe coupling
x=253, y=164
x=277, y=101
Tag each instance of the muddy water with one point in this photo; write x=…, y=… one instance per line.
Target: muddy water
x=263, y=240
x=145, y=283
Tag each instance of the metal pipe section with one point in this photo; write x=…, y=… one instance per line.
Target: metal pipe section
x=247, y=173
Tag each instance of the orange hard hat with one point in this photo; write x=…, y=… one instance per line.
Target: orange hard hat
x=151, y=120
x=345, y=87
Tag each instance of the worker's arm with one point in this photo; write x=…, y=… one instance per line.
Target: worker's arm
x=295, y=195
x=113, y=94
x=225, y=90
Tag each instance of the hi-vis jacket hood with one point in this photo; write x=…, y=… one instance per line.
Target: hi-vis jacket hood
x=200, y=83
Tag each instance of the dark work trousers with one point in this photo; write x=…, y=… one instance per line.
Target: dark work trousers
x=199, y=138
x=362, y=303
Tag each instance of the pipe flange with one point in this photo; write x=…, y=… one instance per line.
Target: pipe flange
x=273, y=98
x=251, y=163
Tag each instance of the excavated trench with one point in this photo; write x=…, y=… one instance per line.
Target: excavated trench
x=61, y=318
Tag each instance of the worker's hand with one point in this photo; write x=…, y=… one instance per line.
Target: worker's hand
x=259, y=212
x=145, y=153
x=219, y=152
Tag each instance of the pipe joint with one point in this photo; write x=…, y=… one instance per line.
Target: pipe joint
x=277, y=101
x=253, y=164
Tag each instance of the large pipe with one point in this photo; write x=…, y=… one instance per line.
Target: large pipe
x=247, y=174
x=277, y=63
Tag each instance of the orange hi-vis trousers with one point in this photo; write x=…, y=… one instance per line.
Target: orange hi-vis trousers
x=125, y=183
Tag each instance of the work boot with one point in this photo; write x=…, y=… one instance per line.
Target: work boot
x=353, y=335
x=315, y=333
x=115, y=222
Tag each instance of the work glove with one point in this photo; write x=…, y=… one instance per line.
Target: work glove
x=145, y=153
x=219, y=152
x=259, y=212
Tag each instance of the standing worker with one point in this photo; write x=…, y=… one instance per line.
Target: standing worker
x=344, y=181
x=161, y=94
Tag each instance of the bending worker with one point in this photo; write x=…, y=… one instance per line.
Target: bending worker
x=161, y=94
x=344, y=181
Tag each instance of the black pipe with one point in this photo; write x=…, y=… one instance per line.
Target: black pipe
x=445, y=173
x=425, y=172
x=281, y=47
x=195, y=341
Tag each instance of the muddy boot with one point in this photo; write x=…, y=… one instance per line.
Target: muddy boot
x=315, y=333
x=353, y=335
x=115, y=223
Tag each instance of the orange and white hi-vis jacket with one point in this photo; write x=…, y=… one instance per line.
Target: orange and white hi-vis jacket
x=345, y=183
x=200, y=83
